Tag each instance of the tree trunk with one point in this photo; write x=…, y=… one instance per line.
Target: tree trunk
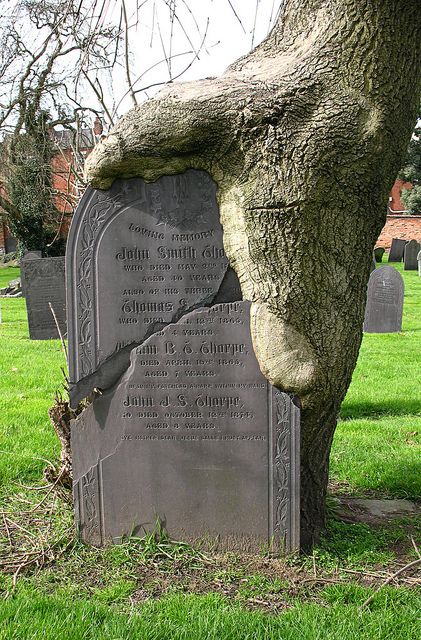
x=304, y=137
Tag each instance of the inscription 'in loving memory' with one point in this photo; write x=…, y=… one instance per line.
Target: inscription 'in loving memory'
x=139, y=257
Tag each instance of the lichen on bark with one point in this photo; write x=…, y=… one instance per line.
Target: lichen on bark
x=304, y=137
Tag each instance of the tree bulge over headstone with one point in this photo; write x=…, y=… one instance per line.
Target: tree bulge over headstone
x=304, y=137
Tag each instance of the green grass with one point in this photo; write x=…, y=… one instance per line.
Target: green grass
x=29, y=373
x=7, y=274
x=393, y=615
x=377, y=442
x=142, y=589
x=376, y=446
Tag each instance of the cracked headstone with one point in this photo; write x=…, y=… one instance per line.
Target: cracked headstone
x=397, y=250
x=45, y=285
x=192, y=437
x=139, y=256
x=383, y=313
x=412, y=249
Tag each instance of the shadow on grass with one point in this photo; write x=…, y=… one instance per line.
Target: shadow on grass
x=398, y=407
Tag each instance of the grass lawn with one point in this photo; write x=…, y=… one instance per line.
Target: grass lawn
x=377, y=442
x=153, y=589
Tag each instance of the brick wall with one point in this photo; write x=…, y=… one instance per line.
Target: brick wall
x=395, y=202
x=400, y=226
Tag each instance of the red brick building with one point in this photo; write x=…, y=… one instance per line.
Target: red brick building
x=67, y=164
x=398, y=223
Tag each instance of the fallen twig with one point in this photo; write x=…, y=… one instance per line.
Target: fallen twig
x=417, y=551
x=412, y=564
x=7, y=531
x=63, y=344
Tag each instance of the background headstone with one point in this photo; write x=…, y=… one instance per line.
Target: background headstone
x=378, y=254
x=32, y=255
x=383, y=313
x=396, y=250
x=139, y=256
x=44, y=284
x=194, y=436
x=412, y=249
x=419, y=263
x=29, y=255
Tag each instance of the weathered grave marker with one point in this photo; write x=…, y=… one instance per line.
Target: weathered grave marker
x=378, y=254
x=192, y=436
x=44, y=284
x=383, y=313
x=29, y=255
x=397, y=250
x=412, y=249
x=419, y=263
x=139, y=256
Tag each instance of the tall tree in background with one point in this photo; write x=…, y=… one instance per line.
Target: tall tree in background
x=45, y=46
x=411, y=172
x=27, y=157
x=76, y=59
x=304, y=137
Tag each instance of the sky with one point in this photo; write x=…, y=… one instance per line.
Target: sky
x=207, y=35
x=175, y=40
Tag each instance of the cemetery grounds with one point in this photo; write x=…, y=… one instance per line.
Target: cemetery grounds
x=358, y=583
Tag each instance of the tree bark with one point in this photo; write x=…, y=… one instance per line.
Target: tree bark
x=304, y=137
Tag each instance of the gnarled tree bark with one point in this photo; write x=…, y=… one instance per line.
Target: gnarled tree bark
x=304, y=137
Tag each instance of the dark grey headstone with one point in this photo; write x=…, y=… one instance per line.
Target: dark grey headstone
x=44, y=284
x=412, y=249
x=396, y=250
x=32, y=255
x=419, y=263
x=192, y=436
x=378, y=254
x=383, y=313
x=29, y=255
x=139, y=256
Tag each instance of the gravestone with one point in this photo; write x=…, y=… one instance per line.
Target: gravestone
x=397, y=250
x=139, y=256
x=412, y=249
x=194, y=437
x=29, y=255
x=32, y=255
x=378, y=254
x=419, y=263
x=44, y=284
x=383, y=313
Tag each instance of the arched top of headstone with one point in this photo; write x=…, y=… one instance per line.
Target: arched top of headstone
x=32, y=255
